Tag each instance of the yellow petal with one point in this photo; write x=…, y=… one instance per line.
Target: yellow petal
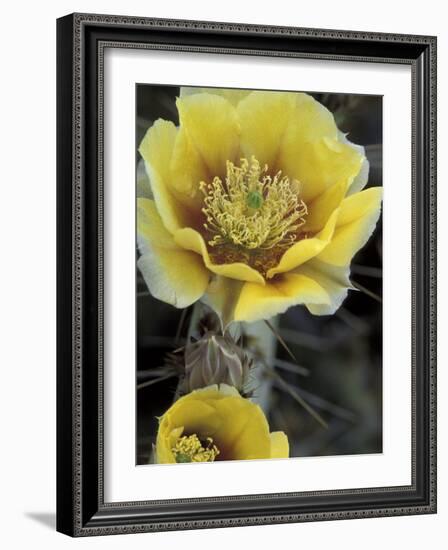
x=357, y=219
x=360, y=181
x=258, y=302
x=233, y=96
x=305, y=249
x=174, y=436
x=150, y=229
x=244, y=432
x=164, y=454
x=156, y=149
x=334, y=279
x=166, y=440
x=187, y=171
x=264, y=117
x=179, y=281
x=190, y=239
x=311, y=121
x=321, y=208
x=196, y=415
x=156, y=146
x=172, y=274
x=279, y=445
x=212, y=125
x=222, y=296
x=319, y=164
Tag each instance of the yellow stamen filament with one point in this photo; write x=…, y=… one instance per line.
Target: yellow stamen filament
x=251, y=209
x=191, y=449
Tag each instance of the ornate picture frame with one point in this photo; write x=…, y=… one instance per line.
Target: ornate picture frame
x=81, y=42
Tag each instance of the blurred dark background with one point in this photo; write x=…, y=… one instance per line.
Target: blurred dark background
x=340, y=355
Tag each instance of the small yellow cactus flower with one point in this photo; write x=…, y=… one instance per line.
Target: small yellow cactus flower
x=257, y=205
x=216, y=423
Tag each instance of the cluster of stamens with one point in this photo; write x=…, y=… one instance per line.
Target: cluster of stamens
x=252, y=209
x=191, y=449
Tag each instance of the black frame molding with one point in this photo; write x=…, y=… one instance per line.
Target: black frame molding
x=81, y=40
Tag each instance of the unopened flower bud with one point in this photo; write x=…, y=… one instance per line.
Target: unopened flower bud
x=215, y=359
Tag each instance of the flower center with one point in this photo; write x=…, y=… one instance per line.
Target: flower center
x=251, y=209
x=191, y=449
x=254, y=200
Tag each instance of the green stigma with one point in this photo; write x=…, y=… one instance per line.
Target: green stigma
x=182, y=457
x=254, y=200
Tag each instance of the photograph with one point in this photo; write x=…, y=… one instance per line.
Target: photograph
x=230, y=243
x=246, y=222
x=258, y=275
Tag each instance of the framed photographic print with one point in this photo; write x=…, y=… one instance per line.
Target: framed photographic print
x=246, y=274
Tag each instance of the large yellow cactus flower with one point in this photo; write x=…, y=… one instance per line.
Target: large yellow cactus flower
x=216, y=423
x=256, y=205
